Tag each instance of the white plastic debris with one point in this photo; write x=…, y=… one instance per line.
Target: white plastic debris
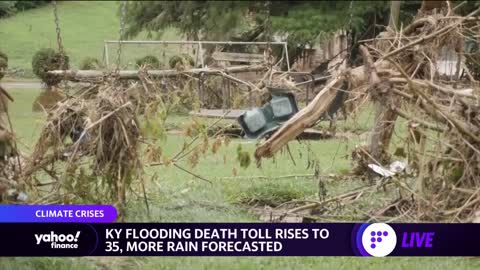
x=448, y=61
x=398, y=166
x=394, y=168
x=381, y=170
x=22, y=196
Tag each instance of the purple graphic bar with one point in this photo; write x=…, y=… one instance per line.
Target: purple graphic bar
x=58, y=213
x=238, y=239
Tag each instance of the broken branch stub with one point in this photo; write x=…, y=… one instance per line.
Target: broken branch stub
x=300, y=121
x=309, y=115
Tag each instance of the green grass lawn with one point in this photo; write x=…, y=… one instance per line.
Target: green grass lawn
x=85, y=25
x=178, y=197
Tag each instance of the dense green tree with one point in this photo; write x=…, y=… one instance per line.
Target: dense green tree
x=24, y=5
x=194, y=19
x=225, y=19
x=7, y=8
x=299, y=22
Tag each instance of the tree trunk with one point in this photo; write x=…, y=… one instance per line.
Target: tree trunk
x=385, y=117
x=430, y=5
x=394, y=14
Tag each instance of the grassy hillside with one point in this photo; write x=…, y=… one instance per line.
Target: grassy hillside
x=84, y=27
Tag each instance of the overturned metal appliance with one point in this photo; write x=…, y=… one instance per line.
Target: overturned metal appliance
x=258, y=122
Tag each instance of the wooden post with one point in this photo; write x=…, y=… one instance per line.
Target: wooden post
x=105, y=59
x=200, y=52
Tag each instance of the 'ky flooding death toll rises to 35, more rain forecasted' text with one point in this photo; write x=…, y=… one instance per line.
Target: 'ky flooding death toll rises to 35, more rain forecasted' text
x=186, y=239
x=238, y=239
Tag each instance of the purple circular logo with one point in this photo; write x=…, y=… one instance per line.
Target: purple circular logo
x=377, y=239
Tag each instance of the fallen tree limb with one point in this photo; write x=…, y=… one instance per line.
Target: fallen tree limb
x=467, y=92
x=316, y=204
x=423, y=123
x=78, y=75
x=300, y=121
x=314, y=110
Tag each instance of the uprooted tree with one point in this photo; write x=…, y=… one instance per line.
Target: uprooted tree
x=404, y=75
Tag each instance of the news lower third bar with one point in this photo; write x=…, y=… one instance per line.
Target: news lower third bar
x=58, y=213
x=87, y=231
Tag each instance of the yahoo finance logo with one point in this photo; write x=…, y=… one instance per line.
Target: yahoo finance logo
x=377, y=240
x=58, y=241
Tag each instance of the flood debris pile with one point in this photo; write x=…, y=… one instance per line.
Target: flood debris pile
x=3, y=64
x=6, y=148
x=89, y=150
x=410, y=74
x=89, y=145
x=10, y=158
